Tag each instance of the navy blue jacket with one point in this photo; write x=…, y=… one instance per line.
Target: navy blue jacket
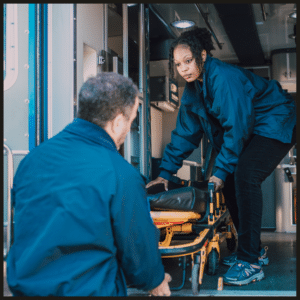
x=82, y=221
x=232, y=104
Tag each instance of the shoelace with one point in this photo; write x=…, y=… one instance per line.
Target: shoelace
x=248, y=268
x=265, y=254
x=238, y=263
x=242, y=264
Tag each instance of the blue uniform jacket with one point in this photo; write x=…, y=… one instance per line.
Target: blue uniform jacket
x=232, y=104
x=82, y=221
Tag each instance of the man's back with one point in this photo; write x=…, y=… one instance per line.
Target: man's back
x=73, y=220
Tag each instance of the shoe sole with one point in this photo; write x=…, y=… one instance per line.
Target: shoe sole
x=257, y=277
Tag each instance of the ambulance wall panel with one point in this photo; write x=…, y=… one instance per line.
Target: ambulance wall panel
x=90, y=31
x=156, y=132
x=62, y=67
x=15, y=101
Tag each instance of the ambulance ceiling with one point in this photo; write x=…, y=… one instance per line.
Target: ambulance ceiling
x=247, y=33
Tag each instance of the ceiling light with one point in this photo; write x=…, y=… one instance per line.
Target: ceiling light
x=293, y=15
x=183, y=24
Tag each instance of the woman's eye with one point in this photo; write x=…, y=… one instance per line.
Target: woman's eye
x=188, y=61
x=177, y=65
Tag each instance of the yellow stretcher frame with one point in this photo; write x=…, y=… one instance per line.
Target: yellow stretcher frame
x=204, y=249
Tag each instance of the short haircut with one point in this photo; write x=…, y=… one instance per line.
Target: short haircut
x=197, y=39
x=103, y=97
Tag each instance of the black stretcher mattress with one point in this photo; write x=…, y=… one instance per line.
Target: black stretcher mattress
x=179, y=198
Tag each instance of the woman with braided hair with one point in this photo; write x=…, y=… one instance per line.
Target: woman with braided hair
x=250, y=122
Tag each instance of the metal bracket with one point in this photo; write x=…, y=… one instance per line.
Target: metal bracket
x=101, y=60
x=168, y=239
x=288, y=174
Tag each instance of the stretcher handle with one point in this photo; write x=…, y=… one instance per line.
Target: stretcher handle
x=211, y=187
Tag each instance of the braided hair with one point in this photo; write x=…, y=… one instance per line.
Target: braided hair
x=197, y=39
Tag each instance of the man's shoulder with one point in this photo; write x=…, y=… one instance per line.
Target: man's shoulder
x=122, y=166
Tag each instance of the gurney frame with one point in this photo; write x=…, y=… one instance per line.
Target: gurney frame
x=204, y=249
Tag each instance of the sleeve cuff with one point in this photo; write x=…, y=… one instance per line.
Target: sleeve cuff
x=165, y=174
x=222, y=174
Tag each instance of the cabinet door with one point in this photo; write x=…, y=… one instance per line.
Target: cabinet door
x=284, y=66
x=293, y=66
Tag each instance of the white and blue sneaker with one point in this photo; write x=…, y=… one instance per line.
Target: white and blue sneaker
x=232, y=259
x=242, y=273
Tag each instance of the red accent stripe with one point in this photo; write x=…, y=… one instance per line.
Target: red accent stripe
x=167, y=223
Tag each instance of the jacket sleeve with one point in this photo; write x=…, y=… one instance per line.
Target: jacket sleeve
x=135, y=235
x=234, y=109
x=185, y=138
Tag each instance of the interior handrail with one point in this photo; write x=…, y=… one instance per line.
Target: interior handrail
x=10, y=178
x=10, y=171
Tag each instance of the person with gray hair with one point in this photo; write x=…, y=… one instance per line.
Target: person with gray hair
x=82, y=221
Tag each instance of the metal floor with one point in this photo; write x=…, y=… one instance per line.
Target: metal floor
x=280, y=274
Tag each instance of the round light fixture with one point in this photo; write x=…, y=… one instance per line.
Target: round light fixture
x=183, y=24
x=293, y=15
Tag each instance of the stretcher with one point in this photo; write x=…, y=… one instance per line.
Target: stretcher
x=193, y=221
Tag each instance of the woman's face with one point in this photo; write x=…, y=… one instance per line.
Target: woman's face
x=186, y=63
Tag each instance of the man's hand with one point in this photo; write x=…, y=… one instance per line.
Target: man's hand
x=163, y=289
x=219, y=183
x=157, y=181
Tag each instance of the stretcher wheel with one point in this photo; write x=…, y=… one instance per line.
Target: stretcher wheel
x=212, y=262
x=231, y=243
x=195, y=279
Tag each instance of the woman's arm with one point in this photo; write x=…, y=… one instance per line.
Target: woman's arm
x=232, y=104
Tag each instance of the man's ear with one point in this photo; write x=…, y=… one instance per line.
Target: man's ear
x=117, y=123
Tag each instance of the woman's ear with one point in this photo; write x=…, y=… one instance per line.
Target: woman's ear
x=203, y=55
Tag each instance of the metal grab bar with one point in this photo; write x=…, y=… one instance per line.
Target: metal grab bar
x=10, y=178
x=10, y=172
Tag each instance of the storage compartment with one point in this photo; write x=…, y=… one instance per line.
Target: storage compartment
x=284, y=68
x=286, y=197
x=164, y=93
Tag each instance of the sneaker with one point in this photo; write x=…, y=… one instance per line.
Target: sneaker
x=262, y=259
x=242, y=273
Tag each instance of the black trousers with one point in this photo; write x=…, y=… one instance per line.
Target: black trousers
x=243, y=194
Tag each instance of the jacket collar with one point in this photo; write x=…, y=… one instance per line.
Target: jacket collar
x=92, y=132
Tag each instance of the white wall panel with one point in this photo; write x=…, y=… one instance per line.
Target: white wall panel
x=62, y=66
x=156, y=133
x=15, y=102
x=90, y=31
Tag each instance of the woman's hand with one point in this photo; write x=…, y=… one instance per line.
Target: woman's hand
x=157, y=181
x=219, y=183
